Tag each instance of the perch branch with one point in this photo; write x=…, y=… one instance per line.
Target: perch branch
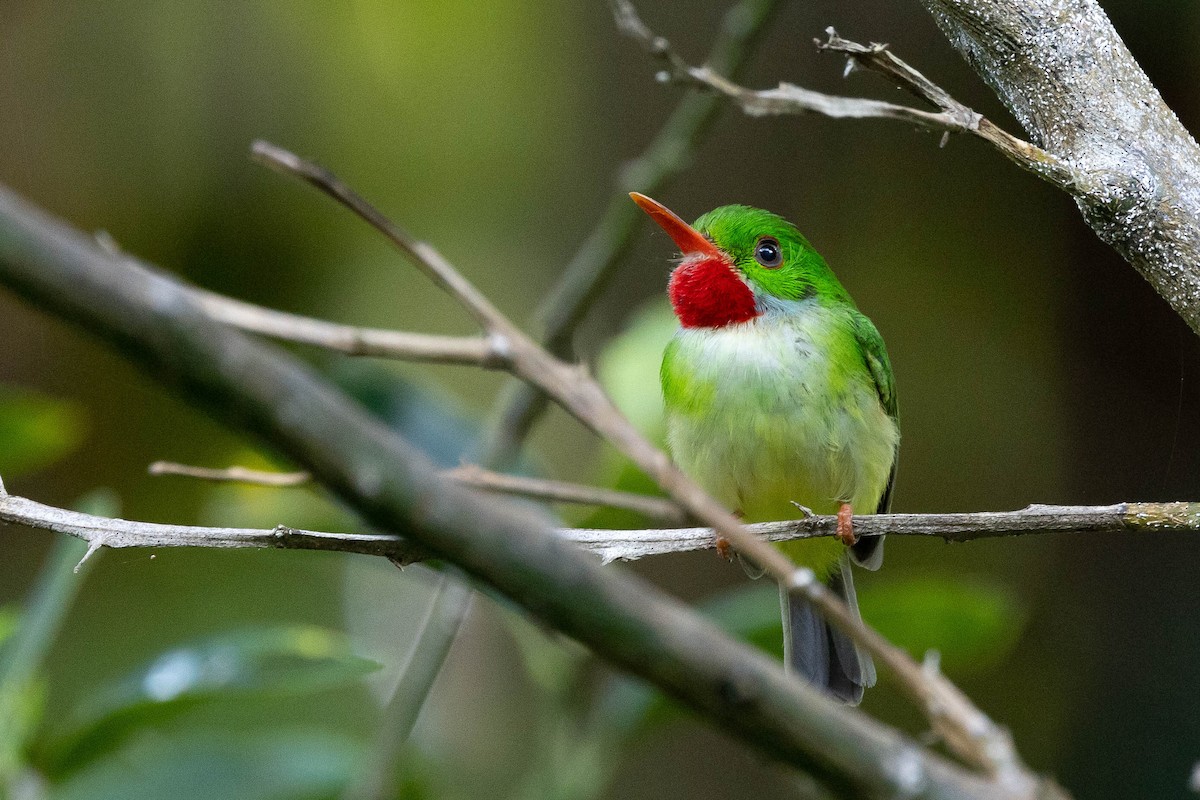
x=624, y=545
x=631, y=624
x=949, y=117
x=467, y=475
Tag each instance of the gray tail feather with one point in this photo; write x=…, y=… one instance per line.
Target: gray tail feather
x=818, y=652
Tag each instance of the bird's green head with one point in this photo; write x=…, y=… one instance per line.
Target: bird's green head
x=740, y=263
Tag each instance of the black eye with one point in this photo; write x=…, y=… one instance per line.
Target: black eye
x=768, y=253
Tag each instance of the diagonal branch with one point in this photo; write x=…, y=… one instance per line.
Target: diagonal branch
x=382, y=476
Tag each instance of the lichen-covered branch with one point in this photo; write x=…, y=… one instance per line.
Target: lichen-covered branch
x=1062, y=70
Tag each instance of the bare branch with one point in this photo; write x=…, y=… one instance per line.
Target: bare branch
x=1064, y=73
x=625, y=545
x=424, y=255
x=475, y=350
x=488, y=352
x=950, y=117
x=120, y=533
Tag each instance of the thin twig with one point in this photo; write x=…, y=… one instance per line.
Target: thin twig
x=965, y=729
x=234, y=474
x=951, y=116
x=424, y=255
x=595, y=262
x=468, y=475
x=563, y=492
x=474, y=350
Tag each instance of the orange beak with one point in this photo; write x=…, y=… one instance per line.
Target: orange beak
x=689, y=240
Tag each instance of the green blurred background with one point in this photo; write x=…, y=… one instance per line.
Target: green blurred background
x=1033, y=365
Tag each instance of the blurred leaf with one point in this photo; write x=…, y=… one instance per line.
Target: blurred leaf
x=201, y=765
x=972, y=623
x=25, y=648
x=100, y=502
x=35, y=430
x=430, y=419
x=272, y=661
x=628, y=367
x=9, y=616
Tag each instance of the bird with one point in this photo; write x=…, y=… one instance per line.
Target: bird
x=780, y=401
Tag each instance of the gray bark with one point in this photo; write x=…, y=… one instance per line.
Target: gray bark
x=1062, y=70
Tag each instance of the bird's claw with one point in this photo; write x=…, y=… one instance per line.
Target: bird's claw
x=724, y=549
x=845, y=525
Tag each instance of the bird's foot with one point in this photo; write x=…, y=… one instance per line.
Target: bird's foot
x=805, y=511
x=845, y=525
x=724, y=548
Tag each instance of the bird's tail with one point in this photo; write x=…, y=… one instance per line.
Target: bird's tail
x=820, y=653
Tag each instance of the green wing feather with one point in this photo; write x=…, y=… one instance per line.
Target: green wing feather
x=876, y=358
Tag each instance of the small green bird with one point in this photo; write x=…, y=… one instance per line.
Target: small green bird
x=779, y=392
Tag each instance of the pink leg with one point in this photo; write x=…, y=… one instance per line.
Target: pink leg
x=724, y=549
x=845, y=525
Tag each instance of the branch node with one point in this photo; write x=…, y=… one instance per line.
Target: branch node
x=499, y=352
x=802, y=580
x=94, y=544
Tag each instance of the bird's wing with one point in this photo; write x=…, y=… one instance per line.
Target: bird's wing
x=869, y=551
x=875, y=355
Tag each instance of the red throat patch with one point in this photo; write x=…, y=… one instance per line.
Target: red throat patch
x=706, y=293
